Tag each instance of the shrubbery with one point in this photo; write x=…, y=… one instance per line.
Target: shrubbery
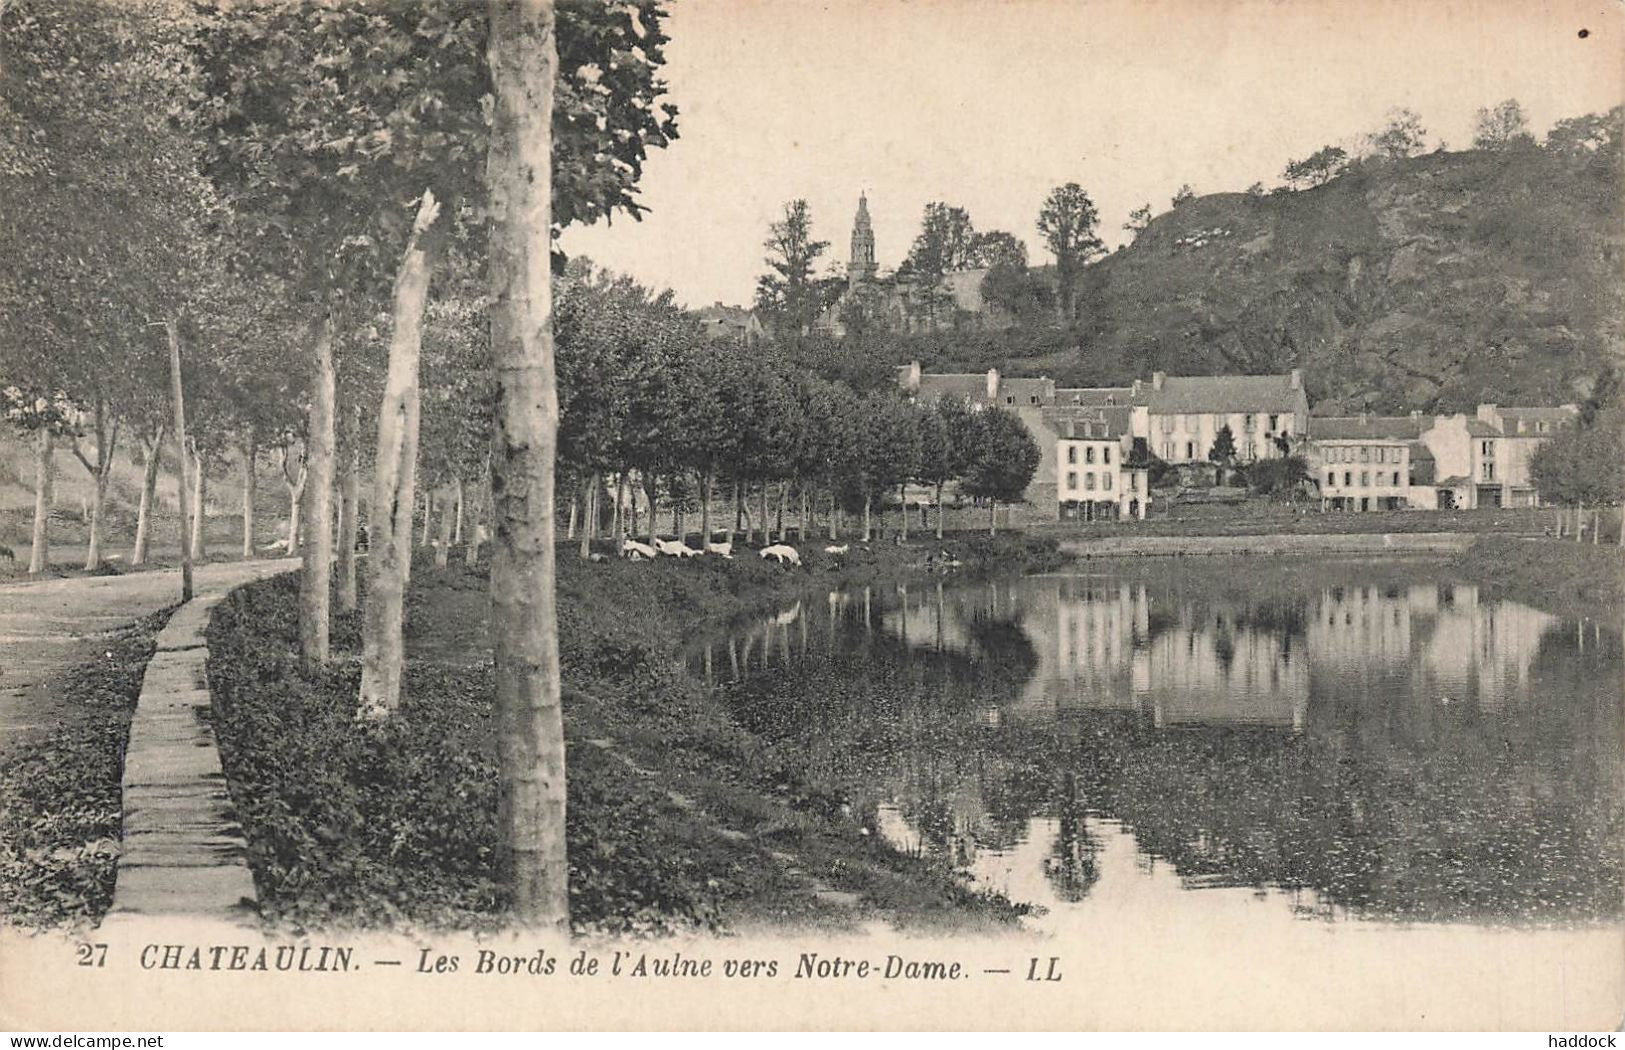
x=60, y=798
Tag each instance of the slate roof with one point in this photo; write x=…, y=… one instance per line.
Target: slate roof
x=1023, y=390
x=1089, y=422
x=1367, y=428
x=1094, y=395
x=1222, y=394
x=1521, y=422
x=971, y=386
x=1479, y=429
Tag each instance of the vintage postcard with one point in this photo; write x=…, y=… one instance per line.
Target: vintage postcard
x=868, y=514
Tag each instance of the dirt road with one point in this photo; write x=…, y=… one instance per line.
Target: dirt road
x=47, y=626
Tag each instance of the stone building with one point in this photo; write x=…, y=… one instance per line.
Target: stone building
x=898, y=303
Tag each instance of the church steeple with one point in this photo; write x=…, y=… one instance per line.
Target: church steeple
x=861, y=268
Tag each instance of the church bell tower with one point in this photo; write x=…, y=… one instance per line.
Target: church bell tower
x=861, y=268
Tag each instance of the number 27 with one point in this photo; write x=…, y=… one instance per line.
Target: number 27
x=92, y=954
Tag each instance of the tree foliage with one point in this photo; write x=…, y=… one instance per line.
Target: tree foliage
x=785, y=294
x=1401, y=135
x=1502, y=127
x=1321, y=166
x=1069, y=223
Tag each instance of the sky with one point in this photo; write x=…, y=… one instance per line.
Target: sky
x=989, y=105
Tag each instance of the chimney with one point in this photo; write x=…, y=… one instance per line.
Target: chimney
x=1134, y=391
x=1488, y=413
x=992, y=384
x=1296, y=379
x=913, y=381
x=1416, y=413
x=1157, y=379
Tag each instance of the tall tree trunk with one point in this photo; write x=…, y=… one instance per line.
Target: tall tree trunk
x=617, y=523
x=100, y=472
x=589, y=513
x=649, y=485
x=428, y=517
x=349, y=511
x=149, y=494
x=200, y=496
x=902, y=502
x=778, y=521
x=316, y=582
x=632, y=506
x=250, y=490
x=448, y=507
x=296, y=503
x=177, y=401
x=457, y=512
x=98, y=486
x=739, y=513
x=481, y=515
x=706, y=482
x=866, y=502
x=524, y=617
x=992, y=517
x=806, y=515
x=39, y=558
x=394, y=479
x=767, y=536
x=834, y=523
x=939, y=510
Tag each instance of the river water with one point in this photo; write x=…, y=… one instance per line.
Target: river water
x=1245, y=741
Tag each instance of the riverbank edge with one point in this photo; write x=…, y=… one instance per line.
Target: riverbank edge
x=1575, y=580
x=658, y=766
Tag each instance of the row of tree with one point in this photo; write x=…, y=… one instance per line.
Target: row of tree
x=252, y=225
x=648, y=401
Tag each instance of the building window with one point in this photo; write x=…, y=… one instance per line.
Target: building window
x=1348, y=479
x=1106, y=481
x=1274, y=421
x=1010, y=399
x=1167, y=450
x=1089, y=481
x=1106, y=454
x=1396, y=477
x=1489, y=472
x=1382, y=455
x=1035, y=399
x=1190, y=450
x=1072, y=480
x=1489, y=449
x=1249, y=421
x=1071, y=453
x=1250, y=450
x=1365, y=479
x=1331, y=478
x=1089, y=454
x=1365, y=454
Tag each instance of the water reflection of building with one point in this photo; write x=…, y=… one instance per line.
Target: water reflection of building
x=1484, y=649
x=1098, y=651
x=1356, y=628
x=1221, y=669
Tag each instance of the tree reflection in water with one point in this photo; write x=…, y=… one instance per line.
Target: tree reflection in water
x=1398, y=750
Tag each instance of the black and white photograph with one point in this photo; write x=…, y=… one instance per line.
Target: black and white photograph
x=531, y=515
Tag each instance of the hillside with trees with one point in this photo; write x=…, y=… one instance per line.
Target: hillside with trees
x=1395, y=279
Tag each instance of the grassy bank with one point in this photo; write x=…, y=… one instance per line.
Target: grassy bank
x=1560, y=576
x=60, y=801
x=679, y=818
x=1253, y=517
